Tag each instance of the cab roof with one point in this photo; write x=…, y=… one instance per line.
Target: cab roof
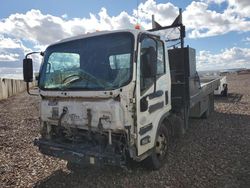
x=98, y=33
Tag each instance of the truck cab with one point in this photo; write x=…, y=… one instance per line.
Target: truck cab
x=104, y=96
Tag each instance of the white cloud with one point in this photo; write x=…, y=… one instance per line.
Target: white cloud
x=9, y=43
x=9, y=57
x=203, y=22
x=45, y=29
x=199, y=19
x=12, y=51
x=239, y=7
x=164, y=13
x=229, y=58
x=214, y=1
x=34, y=26
x=65, y=16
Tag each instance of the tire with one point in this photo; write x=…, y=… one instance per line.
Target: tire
x=224, y=92
x=162, y=143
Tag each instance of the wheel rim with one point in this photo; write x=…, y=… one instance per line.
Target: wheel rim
x=161, y=145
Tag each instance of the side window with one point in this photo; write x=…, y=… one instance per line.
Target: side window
x=146, y=78
x=160, y=58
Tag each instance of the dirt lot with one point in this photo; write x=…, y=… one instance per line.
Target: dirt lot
x=214, y=153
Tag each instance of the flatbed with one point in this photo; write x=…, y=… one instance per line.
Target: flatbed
x=222, y=89
x=190, y=93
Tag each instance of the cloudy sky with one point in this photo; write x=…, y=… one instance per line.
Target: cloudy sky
x=218, y=29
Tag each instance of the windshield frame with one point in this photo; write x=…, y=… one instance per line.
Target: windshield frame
x=51, y=49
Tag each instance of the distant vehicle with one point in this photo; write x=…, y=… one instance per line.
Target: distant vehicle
x=110, y=96
x=222, y=90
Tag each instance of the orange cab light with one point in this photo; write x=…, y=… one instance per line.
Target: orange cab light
x=137, y=26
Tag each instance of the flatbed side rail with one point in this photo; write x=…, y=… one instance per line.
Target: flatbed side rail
x=206, y=89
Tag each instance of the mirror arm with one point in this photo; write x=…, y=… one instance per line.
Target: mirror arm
x=28, y=90
x=41, y=53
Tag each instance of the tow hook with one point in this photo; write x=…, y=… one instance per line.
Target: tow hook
x=65, y=111
x=89, y=116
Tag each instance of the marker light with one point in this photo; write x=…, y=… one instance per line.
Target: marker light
x=137, y=26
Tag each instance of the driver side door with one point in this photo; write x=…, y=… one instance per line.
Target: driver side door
x=151, y=90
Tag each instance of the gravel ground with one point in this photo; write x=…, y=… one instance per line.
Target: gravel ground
x=215, y=152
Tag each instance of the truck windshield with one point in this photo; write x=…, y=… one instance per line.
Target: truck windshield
x=96, y=63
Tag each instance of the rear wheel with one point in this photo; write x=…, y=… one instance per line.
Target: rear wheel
x=160, y=152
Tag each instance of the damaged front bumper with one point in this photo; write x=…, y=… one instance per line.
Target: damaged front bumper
x=80, y=154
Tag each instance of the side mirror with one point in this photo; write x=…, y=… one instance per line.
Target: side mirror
x=149, y=63
x=27, y=70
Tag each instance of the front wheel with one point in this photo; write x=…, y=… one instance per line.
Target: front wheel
x=161, y=148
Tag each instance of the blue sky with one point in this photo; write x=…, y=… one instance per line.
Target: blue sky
x=218, y=29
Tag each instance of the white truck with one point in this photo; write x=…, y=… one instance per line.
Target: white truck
x=222, y=90
x=111, y=96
